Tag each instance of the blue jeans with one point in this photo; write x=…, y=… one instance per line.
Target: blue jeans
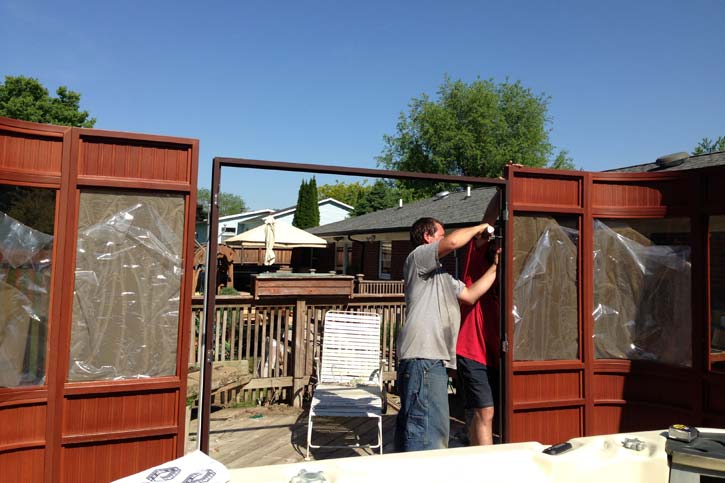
x=423, y=420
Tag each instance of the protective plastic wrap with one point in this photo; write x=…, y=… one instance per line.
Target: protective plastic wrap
x=127, y=286
x=25, y=272
x=545, y=290
x=641, y=296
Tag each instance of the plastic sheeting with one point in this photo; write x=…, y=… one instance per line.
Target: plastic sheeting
x=127, y=286
x=641, y=297
x=25, y=272
x=545, y=290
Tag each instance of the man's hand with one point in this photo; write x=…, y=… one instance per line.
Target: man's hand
x=496, y=256
x=481, y=229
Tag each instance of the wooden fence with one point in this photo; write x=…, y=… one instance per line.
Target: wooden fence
x=279, y=340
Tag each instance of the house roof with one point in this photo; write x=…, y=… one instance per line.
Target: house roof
x=453, y=210
x=693, y=162
x=326, y=201
x=246, y=215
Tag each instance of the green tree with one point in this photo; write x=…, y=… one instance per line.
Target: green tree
x=707, y=146
x=381, y=195
x=471, y=129
x=300, y=218
x=26, y=99
x=307, y=211
x=229, y=204
x=314, y=206
x=349, y=193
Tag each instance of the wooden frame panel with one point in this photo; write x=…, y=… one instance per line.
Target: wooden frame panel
x=47, y=431
x=620, y=395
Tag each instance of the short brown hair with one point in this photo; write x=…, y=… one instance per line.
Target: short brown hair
x=423, y=226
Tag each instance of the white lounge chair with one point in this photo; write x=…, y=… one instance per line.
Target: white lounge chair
x=350, y=382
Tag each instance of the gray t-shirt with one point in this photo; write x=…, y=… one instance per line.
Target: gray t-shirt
x=433, y=315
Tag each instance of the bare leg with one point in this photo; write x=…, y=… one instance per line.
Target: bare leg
x=480, y=430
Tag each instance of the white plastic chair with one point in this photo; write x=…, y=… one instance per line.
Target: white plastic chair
x=350, y=381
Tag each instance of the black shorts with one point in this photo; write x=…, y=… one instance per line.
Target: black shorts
x=480, y=385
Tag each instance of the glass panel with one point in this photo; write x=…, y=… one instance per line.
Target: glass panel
x=386, y=256
x=26, y=248
x=717, y=292
x=545, y=288
x=127, y=286
x=642, y=290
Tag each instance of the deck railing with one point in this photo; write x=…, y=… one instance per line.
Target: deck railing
x=379, y=287
x=280, y=340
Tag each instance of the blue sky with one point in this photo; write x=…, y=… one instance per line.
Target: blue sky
x=323, y=81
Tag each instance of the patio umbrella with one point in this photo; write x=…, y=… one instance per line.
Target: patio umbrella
x=269, y=256
x=285, y=236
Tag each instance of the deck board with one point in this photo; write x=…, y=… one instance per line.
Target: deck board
x=246, y=437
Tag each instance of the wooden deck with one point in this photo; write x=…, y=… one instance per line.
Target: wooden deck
x=273, y=435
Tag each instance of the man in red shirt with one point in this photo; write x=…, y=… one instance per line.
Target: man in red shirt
x=477, y=349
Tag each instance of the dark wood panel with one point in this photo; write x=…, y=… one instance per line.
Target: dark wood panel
x=713, y=420
x=547, y=426
x=26, y=466
x=30, y=153
x=22, y=424
x=102, y=463
x=646, y=388
x=532, y=387
x=550, y=191
x=714, y=193
x=632, y=416
x=652, y=194
x=119, y=412
x=715, y=396
x=118, y=158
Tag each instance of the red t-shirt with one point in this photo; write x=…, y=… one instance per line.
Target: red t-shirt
x=479, y=338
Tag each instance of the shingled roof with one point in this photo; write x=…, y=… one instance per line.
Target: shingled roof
x=693, y=162
x=454, y=209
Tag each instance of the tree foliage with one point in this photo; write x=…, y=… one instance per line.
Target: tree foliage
x=26, y=99
x=366, y=198
x=349, y=193
x=380, y=196
x=472, y=129
x=307, y=211
x=707, y=146
x=229, y=204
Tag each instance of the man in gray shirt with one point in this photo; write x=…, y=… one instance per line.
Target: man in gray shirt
x=426, y=345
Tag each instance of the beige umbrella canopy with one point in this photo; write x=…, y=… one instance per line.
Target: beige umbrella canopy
x=285, y=236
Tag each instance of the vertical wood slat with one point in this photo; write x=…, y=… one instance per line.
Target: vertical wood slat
x=221, y=356
x=248, y=333
x=262, y=318
x=233, y=324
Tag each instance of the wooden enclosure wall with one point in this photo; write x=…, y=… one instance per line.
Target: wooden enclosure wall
x=555, y=400
x=96, y=431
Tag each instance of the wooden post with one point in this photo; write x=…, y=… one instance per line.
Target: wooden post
x=298, y=356
x=358, y=281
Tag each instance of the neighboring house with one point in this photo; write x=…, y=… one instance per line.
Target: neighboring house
x=376, y=244
x=231, y=225
x=331, y=210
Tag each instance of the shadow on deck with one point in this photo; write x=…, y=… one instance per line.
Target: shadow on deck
x=245, y=437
